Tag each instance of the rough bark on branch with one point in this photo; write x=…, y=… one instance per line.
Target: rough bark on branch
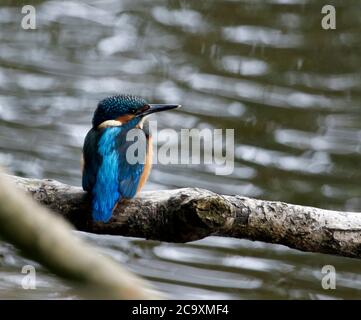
x=47, y=238
x=189, y=214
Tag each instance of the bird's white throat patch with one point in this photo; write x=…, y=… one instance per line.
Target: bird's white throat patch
x=110, y=123
x=117, y=123
x=141, y=123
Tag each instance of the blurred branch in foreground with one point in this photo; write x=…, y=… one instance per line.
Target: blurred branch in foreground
x=190, y=214
x=48, y=239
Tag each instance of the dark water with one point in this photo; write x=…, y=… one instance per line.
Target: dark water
x=291, y=91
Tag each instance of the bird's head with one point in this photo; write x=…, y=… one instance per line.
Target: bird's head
x=124, y=108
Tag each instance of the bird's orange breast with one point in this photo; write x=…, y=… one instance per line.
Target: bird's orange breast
x=147, y=165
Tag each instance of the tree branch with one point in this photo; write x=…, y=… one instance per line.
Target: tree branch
x=48, y=239
x=189, y=214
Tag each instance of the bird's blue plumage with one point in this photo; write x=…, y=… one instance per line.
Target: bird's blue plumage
x=108, y=176
x=112, y=107
x=112, y=178
x=92, y=159
x=106, y=190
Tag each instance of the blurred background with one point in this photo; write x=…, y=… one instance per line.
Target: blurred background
x=291, y=91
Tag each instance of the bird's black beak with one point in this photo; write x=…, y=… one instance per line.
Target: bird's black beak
x=152, y=108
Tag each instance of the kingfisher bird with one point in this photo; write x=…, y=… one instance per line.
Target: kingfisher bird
x=108, y=176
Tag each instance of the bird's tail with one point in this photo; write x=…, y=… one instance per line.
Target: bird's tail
x=102, y=207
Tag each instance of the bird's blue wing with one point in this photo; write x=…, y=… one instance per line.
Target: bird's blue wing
x=117, y=178
x=91, y=160
x=130, y=170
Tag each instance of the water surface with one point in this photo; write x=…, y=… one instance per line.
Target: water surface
x=290, y=89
